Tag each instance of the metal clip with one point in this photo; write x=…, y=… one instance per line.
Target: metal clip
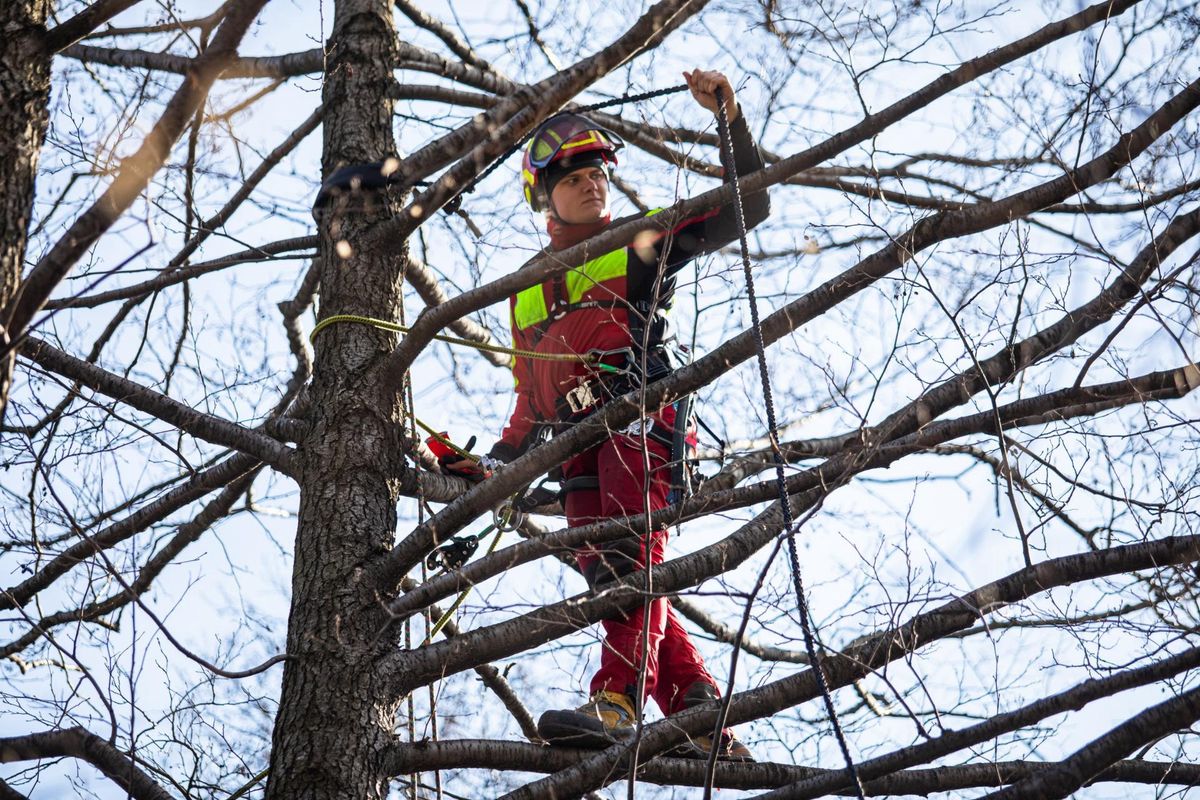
x=452, y=554
x=507, y=517
x=581, y=397
x=597, y=356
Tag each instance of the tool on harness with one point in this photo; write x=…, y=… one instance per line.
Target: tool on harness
x=683, y=463
x=454, y=559
x=453, y=553
x=508, y=516
x=457, y=550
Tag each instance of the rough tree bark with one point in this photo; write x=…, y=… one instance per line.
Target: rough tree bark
x=25, y=87
x=335, y=717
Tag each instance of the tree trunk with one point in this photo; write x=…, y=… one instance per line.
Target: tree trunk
x=335, y=713
x=25, y=95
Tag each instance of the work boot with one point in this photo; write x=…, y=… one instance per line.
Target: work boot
x=605, y=720
x=729, y=747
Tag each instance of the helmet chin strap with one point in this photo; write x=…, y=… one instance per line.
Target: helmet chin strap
x=552, y=211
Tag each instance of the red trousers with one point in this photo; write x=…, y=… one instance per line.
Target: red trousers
x=627, y=488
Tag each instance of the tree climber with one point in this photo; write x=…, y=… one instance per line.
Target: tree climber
x=613, y=307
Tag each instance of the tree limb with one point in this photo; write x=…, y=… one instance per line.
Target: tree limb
x=86, y=746
x=203, y=426
x=136, y=171
x=859, y=659
x=85, y=22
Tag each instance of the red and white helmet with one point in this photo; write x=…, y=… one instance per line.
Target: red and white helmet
x=562, y=143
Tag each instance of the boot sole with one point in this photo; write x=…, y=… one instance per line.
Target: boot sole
x=690, y=751
x=564, y=728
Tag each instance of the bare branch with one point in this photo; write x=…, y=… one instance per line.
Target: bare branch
x=198, y=424
x=85, y=22
x=448, y=37
x=79, y=743
x=285, y=66
x=1065, y=777
x=198, y=486
x=136, y=171
x=266, y=252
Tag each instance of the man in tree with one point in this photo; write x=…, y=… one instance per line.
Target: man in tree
x=610, y=311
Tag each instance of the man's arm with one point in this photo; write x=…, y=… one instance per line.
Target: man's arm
x=717, y=228
x=518, y=433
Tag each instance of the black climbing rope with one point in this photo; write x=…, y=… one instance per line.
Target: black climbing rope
x=777, y=456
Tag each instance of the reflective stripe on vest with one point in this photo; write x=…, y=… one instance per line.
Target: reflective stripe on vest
x=530, y=308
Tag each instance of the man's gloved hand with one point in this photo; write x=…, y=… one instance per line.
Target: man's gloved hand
x=704, y=85
x=452, y=462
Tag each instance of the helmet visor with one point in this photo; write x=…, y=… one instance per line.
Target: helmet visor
x=567, y=133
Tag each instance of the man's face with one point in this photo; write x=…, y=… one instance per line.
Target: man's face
x=582, y=196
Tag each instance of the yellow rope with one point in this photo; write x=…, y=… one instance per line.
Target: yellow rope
x=484, y=346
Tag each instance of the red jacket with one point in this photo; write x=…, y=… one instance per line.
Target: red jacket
x=590, y=307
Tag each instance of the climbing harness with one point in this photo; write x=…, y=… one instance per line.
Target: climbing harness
x=777, y=456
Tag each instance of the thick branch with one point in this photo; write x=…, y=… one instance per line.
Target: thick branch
x=551, y=622
x=1065, y=777
x=85, y=22
x=86, y=746
x=517, y=756
x=285, y=66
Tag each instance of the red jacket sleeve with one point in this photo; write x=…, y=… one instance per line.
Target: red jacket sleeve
x=518, y=433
